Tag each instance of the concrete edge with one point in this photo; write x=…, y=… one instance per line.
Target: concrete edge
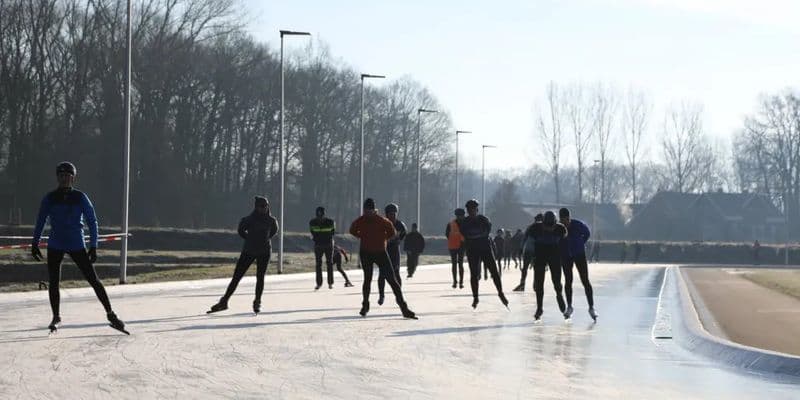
x=691, y=334
x=173, y=286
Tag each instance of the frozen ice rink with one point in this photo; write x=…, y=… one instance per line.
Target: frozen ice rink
x=308, y=344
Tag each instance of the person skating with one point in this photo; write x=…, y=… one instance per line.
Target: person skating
x=516, y=247
x=67, y=210
x=374, y=231
x=476, y=229
x=455, y=245
x=338, y=253
x=637, y=252
x=528, y=255
x=393, y=249
x=507, y=249
x=256, y=229
x=499, y=250
x=547, y=236
x=322, y=230
x=414, y=245
x=574, y=253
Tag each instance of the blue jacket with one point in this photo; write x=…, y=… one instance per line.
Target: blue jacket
x=575, y=243
x=67, y=210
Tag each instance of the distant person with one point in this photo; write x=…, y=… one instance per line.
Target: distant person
x=455, y=246
x=322, y=231
x=528, y=254
x=575, y=255
x=623, y=253
x=637, y=252
x=338, y=254
x=374, y=231
x=414, y=245
x=476, y=229
x=499, y=251
x=547, y=235
x=257, y=229
x=595, y=250
x=393, y=249
x=67, y=210
x=516, y=247
x=756, y=251
x=507, y=249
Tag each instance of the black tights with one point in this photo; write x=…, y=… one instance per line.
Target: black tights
x=81, y=259
x=527, y=260
x=244, y=263
x=385, y=268
x=457, y=261
x=328, y=253
x=393, y=252
x=583, y=273
x=547, y=256
x=476, y=257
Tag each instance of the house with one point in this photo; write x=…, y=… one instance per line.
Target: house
x=607, y=221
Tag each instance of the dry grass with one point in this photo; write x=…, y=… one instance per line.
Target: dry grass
x=781, y=280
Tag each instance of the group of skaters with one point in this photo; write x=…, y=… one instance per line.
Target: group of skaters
x=557, y=244
x=546, y=242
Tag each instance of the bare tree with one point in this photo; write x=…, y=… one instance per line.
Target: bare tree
x=686, y=151
x=579, y=110
x=636, y=111
x=606, y=105
x=548, y=122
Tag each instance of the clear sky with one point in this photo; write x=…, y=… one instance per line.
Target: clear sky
x=488, y=62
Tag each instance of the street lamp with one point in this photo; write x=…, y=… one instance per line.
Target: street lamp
x=457, y=133
x=483, y=174
x=419, y=168
x=283, y=156
x=361, y=122
x=594, y=199
x=126, y=183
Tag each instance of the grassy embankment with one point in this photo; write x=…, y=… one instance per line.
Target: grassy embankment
x=782, y=280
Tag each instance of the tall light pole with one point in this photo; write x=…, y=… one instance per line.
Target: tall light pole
x=483, y=174
x=361, y=122
x=126, y=183
x=594, y=199
x=419, y=167
x=457, y=133
x=282, y=221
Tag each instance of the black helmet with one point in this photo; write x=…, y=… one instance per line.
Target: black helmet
x=66, y=166
x=549, y=218
x=460, y=212
x=261, y=201
x=563, y=213
x=320, y=211
x=471, y=203
x=391, y=208
x=369, y=204
x=538, y=218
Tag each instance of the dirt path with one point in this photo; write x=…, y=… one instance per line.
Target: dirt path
x=745, y=312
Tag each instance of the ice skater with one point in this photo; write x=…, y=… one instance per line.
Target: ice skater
x=338, y=254
x=455, y=246
x=499, y=250
x=476, y=229
x=374, y=231
x=393, y=249
x=414, y=245
x=507, y=249
x=256, y=229
x=574, y=253
x=516, y=247
x=322, y=230
x=67, y=210
x=547, y=235
x=528, y=255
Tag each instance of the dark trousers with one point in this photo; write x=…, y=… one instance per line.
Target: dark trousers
x=81, y=259
x=244, y=263
x=485, y=256
x=341, y=271
x=457, y=262
x=527, y=260
x=547, y=256
x=583, y=272
x=318, y=253
x=381, y=259
x=412, y=261
x=393, y=252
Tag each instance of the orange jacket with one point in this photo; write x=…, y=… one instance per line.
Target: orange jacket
x=454, y=237
x=373, y=230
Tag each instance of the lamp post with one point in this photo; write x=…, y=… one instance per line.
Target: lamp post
x=282, y=221
x=419, y=167
x=361, y=123
x=126, y=183
x=483, y=175
x=594, y=199
x=457, y=133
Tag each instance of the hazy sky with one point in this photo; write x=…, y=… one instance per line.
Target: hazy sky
x=489, y=62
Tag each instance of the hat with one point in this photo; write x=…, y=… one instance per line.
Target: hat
x=369, y=204
x=563, y=213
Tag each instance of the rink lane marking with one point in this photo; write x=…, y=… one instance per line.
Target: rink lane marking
x=662, y=326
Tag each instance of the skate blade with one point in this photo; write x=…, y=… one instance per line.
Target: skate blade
x=52, y=332
x=120, y=329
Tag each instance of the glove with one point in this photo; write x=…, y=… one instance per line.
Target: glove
x=36, y=253
x=92, y=254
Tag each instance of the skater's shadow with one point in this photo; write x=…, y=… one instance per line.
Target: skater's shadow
x=58, y=336
x=462, y=329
